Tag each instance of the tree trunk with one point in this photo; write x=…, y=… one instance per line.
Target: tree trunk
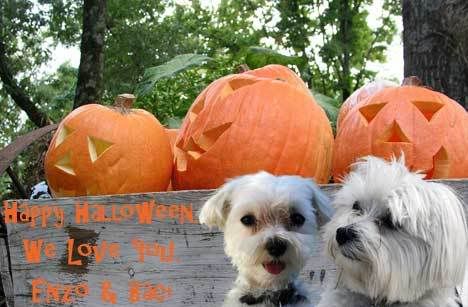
x=435, y=45
x=345, y=28
x=90, y=74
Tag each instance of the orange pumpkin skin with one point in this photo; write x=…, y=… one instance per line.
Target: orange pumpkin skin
x=172, y=134
x=244, y=123
x=360, y=95
x=98, y=150
x=428, y=127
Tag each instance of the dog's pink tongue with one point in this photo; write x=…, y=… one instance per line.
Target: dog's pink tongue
x=274, y=267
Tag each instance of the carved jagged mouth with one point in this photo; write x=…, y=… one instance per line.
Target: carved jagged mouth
x=195, y=148
x=441, y=165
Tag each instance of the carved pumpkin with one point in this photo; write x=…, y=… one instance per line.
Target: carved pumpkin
x=265, y=119
x=359, y=95
x=108, y=150
x=428, y=127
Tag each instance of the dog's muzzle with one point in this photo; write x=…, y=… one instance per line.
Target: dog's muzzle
x=345, y=235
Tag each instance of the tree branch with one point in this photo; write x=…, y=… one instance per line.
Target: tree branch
x=18, y=95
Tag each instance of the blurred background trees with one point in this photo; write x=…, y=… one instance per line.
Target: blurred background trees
x=334, y=46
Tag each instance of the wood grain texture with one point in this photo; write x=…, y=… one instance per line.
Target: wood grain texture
x=5, y=275
x=200, y=276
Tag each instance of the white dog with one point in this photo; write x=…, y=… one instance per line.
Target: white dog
x=270, y=224
x=396, y=239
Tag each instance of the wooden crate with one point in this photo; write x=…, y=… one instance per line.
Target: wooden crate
x=199, y=275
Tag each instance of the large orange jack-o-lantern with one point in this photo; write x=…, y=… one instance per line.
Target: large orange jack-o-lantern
x=264, y=119
x=108, y=150
x=427, y=126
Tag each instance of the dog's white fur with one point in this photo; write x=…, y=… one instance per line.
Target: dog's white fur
x=271, y=199
x=416, y=264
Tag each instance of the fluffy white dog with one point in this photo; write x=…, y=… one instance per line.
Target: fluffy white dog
x=269, y=223
x=396, y=239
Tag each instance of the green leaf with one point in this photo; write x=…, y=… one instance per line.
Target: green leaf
x=258, y=57
x=176, y=65
x=329, y=105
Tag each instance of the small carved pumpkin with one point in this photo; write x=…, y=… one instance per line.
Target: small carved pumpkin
x=428, y=127
x=108, y=150
x=265, y=119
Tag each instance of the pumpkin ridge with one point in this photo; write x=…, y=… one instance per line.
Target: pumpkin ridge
x=306, y=152
x=283, y=146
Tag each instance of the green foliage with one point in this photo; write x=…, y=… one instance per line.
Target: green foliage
x=257, y=57
x=54, y=93
x=170, y=98
x=176, y=65
x=21, y=25
x=335, y=39
x=330, y=106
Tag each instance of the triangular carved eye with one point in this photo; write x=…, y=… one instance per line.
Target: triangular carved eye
x=234, y=85
x=65, y=164
x=97, y=147
x=208, y=138
x=63, y=134
x=394, y=134
x=240, y=82
x=370, y=112
x=428, y=108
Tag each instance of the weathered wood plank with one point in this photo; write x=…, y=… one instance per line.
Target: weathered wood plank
x=5, y=275
x=200, y=274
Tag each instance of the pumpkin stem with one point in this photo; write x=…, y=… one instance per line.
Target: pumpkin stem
x=242, y=68
x=124, y=101
x=412, y=80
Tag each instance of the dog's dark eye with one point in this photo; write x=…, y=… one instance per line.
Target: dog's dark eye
x=357, y=207
x=248, y=220
x=386, y=221
x=297, y=219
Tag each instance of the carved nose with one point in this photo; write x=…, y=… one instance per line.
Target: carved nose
x=276, y=247
x=345, y=234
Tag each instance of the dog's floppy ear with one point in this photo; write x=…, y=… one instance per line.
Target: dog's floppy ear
x=216, y=209
x=321, y=204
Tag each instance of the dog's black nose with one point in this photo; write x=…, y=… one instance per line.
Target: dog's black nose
x=276, y=247
x=345, y=234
